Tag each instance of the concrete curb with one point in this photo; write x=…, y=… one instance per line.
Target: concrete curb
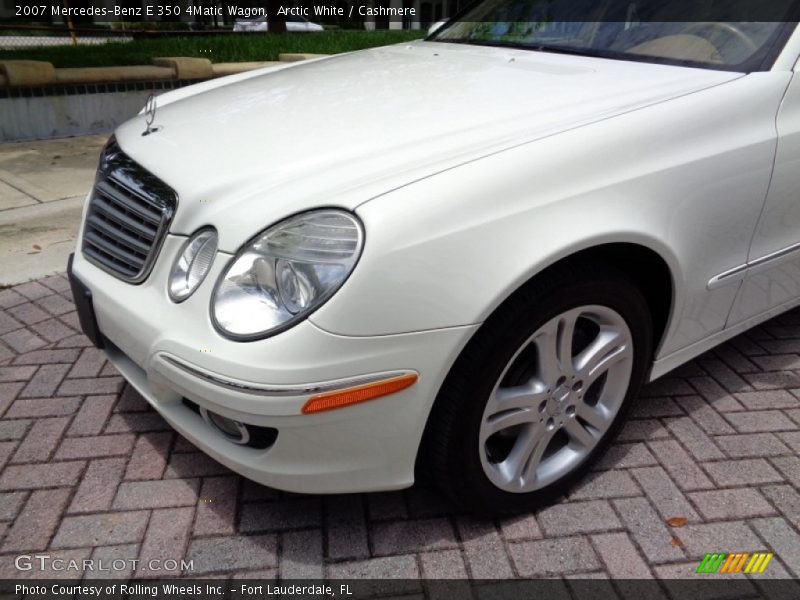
x=298, y=56
x=186, y=68
x=222, y=69
x=27, y=72
x=111, y=74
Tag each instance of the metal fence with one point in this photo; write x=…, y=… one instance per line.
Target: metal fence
x=33, y=36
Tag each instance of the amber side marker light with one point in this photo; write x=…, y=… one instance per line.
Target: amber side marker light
x=358, y=394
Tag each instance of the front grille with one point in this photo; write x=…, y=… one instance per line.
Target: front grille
x=128, y=216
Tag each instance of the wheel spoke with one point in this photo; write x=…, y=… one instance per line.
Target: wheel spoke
x=594, y=417
x=548, y=366
x=554, y=347
x=507, y=419
x=520, y=396
x=579, y=434
x=527, y=455
x=607, y=349
x=566, y=331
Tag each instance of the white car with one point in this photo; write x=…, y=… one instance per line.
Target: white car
x=294, y=24
x=469, y=266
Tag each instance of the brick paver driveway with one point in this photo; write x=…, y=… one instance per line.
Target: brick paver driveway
x=88, y=471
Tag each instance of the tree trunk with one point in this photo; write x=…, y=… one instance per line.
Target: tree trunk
x=277, y=23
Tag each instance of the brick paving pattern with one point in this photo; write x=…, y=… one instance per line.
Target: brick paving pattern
x=88, y=470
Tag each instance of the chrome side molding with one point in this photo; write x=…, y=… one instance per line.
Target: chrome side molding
x=727, y=277
x=730, y=275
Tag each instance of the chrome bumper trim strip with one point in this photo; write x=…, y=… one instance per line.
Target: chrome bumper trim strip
x=282, y=390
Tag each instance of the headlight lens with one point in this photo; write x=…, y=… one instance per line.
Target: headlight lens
x=192, y=264
x=286, y=273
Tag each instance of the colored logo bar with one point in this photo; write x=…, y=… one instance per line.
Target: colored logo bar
x=742, y=562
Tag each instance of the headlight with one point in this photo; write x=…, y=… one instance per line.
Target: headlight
x=286, y=273
x=192, y=264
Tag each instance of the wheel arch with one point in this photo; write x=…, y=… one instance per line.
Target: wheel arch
x=649, y=271
x=647, y=268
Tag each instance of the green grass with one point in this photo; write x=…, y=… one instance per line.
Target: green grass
x=220, y=48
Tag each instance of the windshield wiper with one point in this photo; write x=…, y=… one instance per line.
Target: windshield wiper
x=563, y=50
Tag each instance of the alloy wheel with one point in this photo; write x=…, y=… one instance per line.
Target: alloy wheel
x=556, y=398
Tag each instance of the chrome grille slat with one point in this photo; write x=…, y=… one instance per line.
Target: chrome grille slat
x=130, y=202
x=123, y=219
x=99, y=222
x=128, y=216
x=109, y=261
x=123, y=185
x=113, y=249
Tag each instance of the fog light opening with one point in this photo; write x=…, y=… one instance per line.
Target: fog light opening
x=234, y=431
x=252, y=436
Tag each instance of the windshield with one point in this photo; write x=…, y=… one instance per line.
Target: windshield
x=619, y=29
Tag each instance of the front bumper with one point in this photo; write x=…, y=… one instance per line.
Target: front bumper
x=169, y=352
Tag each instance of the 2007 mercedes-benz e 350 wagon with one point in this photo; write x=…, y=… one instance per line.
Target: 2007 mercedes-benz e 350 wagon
x=486, y=243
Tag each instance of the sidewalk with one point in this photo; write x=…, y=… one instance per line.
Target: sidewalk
x=42, y=188
x=708, y=462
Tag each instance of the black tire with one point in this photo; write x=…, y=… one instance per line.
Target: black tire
x=450, y=450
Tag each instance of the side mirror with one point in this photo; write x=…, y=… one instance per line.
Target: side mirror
x=435, y=27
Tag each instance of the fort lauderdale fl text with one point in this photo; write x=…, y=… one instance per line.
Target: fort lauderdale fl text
x=168, y=589
x=240, y=12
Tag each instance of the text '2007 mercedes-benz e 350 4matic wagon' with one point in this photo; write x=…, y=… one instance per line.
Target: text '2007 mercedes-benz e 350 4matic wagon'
x=484, y=245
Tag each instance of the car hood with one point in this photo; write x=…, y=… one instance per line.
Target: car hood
x=342, y=130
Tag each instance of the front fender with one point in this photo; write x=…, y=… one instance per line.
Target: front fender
x=676, y=178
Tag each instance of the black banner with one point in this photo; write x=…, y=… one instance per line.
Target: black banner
x=701, y=588
x=406, y=11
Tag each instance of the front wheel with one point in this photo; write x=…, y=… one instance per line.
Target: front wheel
x=540, y=390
